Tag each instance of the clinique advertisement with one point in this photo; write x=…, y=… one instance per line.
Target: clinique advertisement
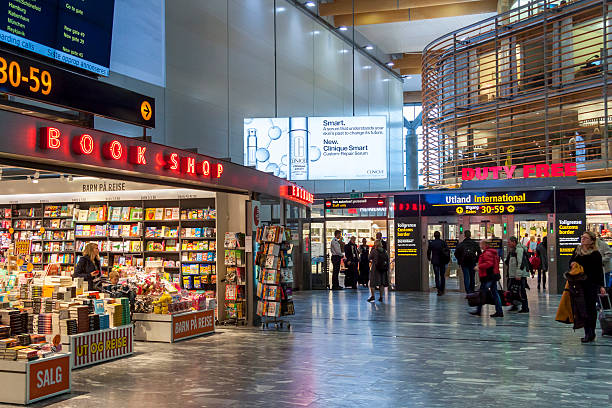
x=318, y=148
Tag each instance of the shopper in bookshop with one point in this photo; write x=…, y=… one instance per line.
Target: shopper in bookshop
x=606, y=259
x=336, y=258
x=467, y=254
x=382, y=241
x=364, y=265
x=542, y=253
x=439, y=256
x=517, y=270
x=352, y=262
x=88, y=268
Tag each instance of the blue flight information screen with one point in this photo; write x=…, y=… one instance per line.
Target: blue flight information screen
x=75, y=32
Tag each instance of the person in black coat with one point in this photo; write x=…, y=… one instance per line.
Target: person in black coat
x=352, y=262
x=88, y=266
x=467, y=254
x=589, y=257
x=364, y=265
x=542, y=252
x=437, y=251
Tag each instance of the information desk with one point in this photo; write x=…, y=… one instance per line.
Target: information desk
x=24, y=382
x=170, y=328
x=102, y=345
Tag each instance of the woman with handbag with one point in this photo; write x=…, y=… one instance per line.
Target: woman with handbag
x=588, y=256
x=88, y=268
x=488, y=272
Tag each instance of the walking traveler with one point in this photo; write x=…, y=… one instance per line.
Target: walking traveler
x=382, y=241
x=379, y=270
x=351, y=263
x=439, y=256
x=467, y=254
x=542, y=253
x=488, y=273
x=364, y=265
x=518, y=272
x=336, y=258
x=606, y=256
x=588, y=256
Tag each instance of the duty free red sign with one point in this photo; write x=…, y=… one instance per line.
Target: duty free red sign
x=510, y=172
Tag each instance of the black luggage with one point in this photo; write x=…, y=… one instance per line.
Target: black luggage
x=605, y=315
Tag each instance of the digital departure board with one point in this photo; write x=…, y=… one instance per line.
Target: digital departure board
x=488, y=203
x=75, y=32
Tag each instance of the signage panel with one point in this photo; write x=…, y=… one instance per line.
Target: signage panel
x=511, y=172
x=48, y=377
x=487, y=203
x=185, y=326
x=318, y=148
x=373, y=203
x=407, y=253
x=43, y=82
x=96, y=347
x=570, y=228
x=74, y=32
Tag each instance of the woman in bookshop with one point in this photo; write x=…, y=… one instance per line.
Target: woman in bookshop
x=364, y=266
x=88, y=268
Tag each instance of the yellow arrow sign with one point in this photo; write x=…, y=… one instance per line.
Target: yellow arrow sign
x=145, y=110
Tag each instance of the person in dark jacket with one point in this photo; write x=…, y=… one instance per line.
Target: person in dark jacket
x=382, y=241
x=467, y=254
x=542, y=252
x=88, y=266
x=378, y=275
x=352, y=261
x=588, y=256
x=364, y=265
x=436, y=255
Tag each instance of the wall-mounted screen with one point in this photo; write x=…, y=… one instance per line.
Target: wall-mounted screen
x=318, y=148
x=75, y=32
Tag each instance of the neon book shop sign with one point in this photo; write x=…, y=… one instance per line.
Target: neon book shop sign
x=114, y=150
x=511, y=172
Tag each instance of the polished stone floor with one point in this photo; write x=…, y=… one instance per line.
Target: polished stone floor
x=414, y=350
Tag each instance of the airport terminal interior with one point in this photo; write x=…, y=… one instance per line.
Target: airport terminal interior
x=292, y=203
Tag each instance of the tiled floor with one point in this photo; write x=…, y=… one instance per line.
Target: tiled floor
x=414, y=350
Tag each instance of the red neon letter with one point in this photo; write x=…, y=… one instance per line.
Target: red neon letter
x=556, y=170
x=50, y=138
x=203, y=168
x=467, y=174
x=112, y=150
x=172, y=161
x=218, y=170
x=136, y=155
x=188, y=165
x=509, y=170
x=570, y=169
x=83, y=144
x=528, y=169
x=541, y=170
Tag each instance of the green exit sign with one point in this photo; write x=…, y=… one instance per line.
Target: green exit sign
x=356, y=195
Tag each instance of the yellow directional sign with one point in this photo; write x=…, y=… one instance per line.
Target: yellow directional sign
x=510, y=208
x=145, y=110
x=459, y=210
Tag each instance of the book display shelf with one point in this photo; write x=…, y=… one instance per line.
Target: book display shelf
x=235, y=277
x=178, y=235
x=274, y=274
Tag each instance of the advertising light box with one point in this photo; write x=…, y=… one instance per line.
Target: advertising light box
x=318, y=148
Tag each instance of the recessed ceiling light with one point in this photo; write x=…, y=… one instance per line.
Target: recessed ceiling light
x=367, y=67
x=316, y=32
x=343, y=51
x=310, y=4
x=369, y=47
x=408, y=77
x=343, y=28
x=390, y=63
x=280, y=9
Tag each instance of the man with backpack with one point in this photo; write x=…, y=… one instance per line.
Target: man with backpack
x=439, y=256
x=467, y=254
x=519, y=269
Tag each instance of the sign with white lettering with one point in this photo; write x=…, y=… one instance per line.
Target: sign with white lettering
x=96, y=347
x=192, y=324
x=48, y=377
x=486, y=203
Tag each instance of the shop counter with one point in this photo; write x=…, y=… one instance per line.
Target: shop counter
x=24, y=382
x=169, y=328
x=103, y=345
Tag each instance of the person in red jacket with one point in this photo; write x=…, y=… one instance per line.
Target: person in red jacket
x=488, y=272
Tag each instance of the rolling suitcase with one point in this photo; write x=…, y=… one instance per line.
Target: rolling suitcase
x=605, y=315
